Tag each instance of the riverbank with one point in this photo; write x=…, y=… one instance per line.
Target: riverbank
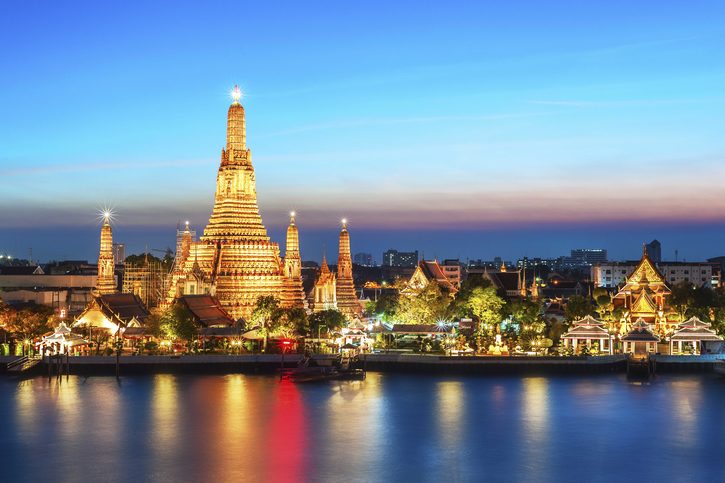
x=389, y=362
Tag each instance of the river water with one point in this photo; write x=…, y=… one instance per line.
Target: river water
x=390, y=427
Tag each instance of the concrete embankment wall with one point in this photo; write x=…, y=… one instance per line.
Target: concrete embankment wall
x=389, y=362
x=704, y=363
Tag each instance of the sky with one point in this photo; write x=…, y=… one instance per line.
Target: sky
x=460, y=129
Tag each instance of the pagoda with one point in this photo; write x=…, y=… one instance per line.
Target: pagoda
x=293, y=291
x=106, y=280
x=347, y=302
x=234, y=260
x=643, y=296
x=324, y=294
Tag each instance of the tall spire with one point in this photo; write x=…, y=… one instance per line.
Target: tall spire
x=294, y=293
x=236, y=125
x=347, y=301
x=292, y=261
x=106, y=280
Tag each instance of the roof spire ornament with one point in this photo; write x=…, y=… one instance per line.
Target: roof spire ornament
x=236, y=94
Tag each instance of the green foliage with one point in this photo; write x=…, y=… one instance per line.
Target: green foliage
x=177, y=323
x=326, y=321
x=386, y=304
x=486, y=306
x=460, y=308
x=423, y=306
x=578, y=307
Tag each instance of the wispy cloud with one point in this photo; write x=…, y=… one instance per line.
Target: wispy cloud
x=70, y=167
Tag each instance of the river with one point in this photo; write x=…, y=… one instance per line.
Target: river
x=390, y=427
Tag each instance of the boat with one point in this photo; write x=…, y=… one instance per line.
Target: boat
x=311, y=370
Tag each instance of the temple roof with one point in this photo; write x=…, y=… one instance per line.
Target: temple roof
x=124, y=306
x=207, y=311
x=587, y=328
x=640, y=333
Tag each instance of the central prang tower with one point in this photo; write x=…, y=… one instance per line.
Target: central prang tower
x=234, y=260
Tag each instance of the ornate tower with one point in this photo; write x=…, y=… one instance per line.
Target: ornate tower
x=324, y=293
x=106, y=281
x=347, y=302
x=234, y=259
x=293, y=291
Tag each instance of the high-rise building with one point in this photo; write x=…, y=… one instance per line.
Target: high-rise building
x=106, y=280
x=589, y=256
x=119, y=252
x=234, y=260
x=364, y=259
x=654, y=249
x=394, y=258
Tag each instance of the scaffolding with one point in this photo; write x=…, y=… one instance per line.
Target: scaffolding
x=147, y=280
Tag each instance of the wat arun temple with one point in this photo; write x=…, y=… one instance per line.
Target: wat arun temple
x=235, y=260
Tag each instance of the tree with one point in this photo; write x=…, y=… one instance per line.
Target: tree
x=459, y=307
x=266, y=312
x=486, y=305
x=426, y=305
x=578, y=307
x=291, y=323
x=386, y=304
x=28, y=323
x=332, y=320
x=682, y=298
x=177, y=323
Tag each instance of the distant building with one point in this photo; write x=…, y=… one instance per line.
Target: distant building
x=589, y=256
x=119, y=253
x=364, y=259
x=453, y=271
x=430, y=271
x=654, y=250
x=394, y=258
x=701, y=274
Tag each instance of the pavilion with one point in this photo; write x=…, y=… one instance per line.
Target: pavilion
x=640, y=340
x=588, y=331
x=62, y=340
x=691, y=336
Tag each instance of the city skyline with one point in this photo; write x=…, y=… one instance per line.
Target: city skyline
x=495, y=133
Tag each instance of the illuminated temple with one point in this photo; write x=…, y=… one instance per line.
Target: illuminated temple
x=347, y=302
x=106, y=280
x=644, y=296
x=235, y=260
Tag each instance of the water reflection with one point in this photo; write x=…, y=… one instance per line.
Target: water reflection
x=286, y=438
x=450, y=408
x=536, y=424
x=686, y=402
x=387, y=428
x=165, y=413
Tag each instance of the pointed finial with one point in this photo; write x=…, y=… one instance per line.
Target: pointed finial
x=292, y=215
x=236, y=94
x=344, y=223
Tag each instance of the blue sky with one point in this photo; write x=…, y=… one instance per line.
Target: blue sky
x=460, y=129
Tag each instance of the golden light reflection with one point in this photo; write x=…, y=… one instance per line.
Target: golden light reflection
x=25, y=402
x=450, y=408
x=535, y=429
x=164, y=414
x=355, y=413
x=686, y=402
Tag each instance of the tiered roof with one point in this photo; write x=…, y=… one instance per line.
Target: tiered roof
x=587, y=328
x=640, y=333
x=695, y=329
